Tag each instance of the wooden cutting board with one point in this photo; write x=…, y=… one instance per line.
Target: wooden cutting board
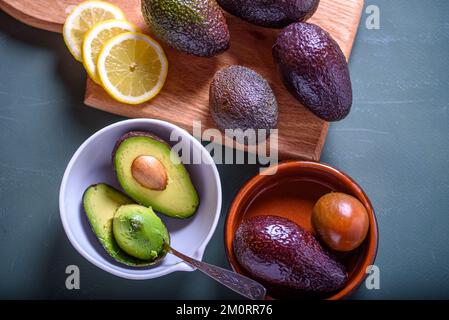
x=185, y=96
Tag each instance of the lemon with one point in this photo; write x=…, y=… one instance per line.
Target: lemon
x=82, y=18
x=132, y=67
x=96, y=37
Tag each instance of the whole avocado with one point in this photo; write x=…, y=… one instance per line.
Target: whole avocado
x=273, y=13
x=286, y=258
x=314, y=70
x=240, y=98
x=197, y=27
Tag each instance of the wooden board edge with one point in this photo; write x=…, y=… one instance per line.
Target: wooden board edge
x=282, y=154
x=324, y=132
x=30, y=20
x=358, y=20
x=321, y=142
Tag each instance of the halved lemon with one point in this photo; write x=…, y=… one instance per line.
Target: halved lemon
x=96, y=37
x=132, y=67
x=82, y=18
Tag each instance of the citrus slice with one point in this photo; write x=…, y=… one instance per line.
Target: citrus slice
x=132, y=67
x=95, y=39
x=82, y=18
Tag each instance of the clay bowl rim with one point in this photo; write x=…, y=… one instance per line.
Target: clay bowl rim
x=373, y=233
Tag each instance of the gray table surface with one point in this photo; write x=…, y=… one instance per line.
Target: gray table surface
x=395, y=144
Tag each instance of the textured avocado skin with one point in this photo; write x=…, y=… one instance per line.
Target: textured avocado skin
x=240, y=98
x=314, y=69
x=197, y=27
x=286, y=258
x=271, y=13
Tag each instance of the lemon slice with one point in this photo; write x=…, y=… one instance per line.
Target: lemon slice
x=96, y=37
x=132, y=67
x=82, y=18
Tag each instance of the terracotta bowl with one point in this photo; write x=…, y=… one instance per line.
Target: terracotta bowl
x=292, y=192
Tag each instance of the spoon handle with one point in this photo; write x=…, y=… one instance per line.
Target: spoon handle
x=234, y=281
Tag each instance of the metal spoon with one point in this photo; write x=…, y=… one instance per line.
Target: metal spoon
x=234, y=281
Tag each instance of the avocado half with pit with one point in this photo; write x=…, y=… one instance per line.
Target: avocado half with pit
x=154, y=176
x=101, y=202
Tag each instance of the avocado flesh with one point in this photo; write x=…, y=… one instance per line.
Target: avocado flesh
x=286, y=258
x=271, y=14
x=140, y=232
x=179, y=199
x=314, y=69
x=100, y=203
x=197, y=27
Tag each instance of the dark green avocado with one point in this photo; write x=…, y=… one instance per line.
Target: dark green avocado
x=197, y=27
x=287, y=259
x=314, y=70
x=240, y=98
x=272, y=13
x=140, y=232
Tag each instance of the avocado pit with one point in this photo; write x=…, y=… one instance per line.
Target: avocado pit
x=149, y=172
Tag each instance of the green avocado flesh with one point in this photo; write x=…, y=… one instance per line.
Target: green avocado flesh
x=100, y=204
x=140, y=232
x=179, y=199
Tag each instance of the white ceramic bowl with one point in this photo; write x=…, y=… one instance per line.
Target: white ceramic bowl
x=92, y=164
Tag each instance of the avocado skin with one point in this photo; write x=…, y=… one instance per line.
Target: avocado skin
x=314, y=70
x=286, y=258
x=197, y=27
x=132, y=134
x=240, y=98
x=271, y=14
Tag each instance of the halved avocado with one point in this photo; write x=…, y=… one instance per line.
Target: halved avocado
x=100, y=202
x=140, y=232
x=171, y=193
